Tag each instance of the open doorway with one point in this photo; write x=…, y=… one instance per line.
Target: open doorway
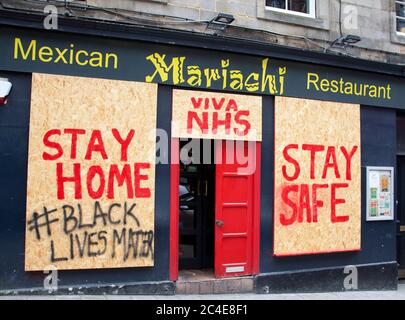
x=196, y=206
x=215, y=209
x=401, y=216
x=400, y=178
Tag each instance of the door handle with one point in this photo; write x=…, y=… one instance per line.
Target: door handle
x=219, y=223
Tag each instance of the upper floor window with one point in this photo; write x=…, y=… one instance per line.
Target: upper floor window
x=400, y=9
x=299, y=7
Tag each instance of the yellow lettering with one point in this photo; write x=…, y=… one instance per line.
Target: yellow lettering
x=383, y=94
x=282, y=71
x=313, y=79
x=78, y=61
x=18, y=47
x=335, y=86
x=268, y=79
x=325, y=85
x=237, y=80
x=162, y=69
x=373, y=92
x=107, y=60
x=45, y=54
x=195, y=76
x=211, y=74
x=349, y=88
x=96, y=59
x=252, y=86
x=389, y=92
x=61, y=55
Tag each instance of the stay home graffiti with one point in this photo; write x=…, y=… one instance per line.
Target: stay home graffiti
x=91, y=174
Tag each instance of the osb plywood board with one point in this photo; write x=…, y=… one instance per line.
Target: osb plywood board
x=91, y=174
x=318, y=211
x=209, y=115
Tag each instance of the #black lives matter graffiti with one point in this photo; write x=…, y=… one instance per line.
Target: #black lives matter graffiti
x=91, y=174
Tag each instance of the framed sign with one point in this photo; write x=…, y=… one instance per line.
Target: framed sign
x=380, y=193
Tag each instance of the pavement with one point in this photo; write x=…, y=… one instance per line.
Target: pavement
x=348, y=295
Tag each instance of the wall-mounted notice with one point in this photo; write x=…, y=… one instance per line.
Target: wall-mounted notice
x=91, y=174
x=380, y=193
x=317, y=203
x=211, y=115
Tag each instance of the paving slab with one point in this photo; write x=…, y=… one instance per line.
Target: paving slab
x=348, y=295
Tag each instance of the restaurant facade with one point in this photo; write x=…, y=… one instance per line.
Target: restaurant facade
x=130, y=155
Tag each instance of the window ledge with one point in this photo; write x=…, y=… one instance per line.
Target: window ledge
x=290, y=12
x=298, y=19
x=159, y=1
x=396, y=36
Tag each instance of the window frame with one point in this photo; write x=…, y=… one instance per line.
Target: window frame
x=311, y=14
x=401, y=33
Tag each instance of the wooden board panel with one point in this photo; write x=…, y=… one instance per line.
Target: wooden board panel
x=317, y=202
x=209, y=115
x=91, y=174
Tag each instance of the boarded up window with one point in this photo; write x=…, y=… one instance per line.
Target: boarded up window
x=91, y=174
x=317, y=177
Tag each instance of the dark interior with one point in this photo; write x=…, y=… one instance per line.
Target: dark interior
x=197, y=205
x=401, y=194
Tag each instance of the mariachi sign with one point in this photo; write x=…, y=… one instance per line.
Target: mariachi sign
x=49, y=52
x=317, y=177
x=91, y=174
x=208, y=115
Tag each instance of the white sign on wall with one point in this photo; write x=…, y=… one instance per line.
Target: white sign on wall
x=380, y=193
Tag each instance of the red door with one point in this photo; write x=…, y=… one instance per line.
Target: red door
x=236, y=208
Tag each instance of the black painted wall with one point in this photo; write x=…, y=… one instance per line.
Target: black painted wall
x=14, y=125
x=378, y=239
x=378, y=135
